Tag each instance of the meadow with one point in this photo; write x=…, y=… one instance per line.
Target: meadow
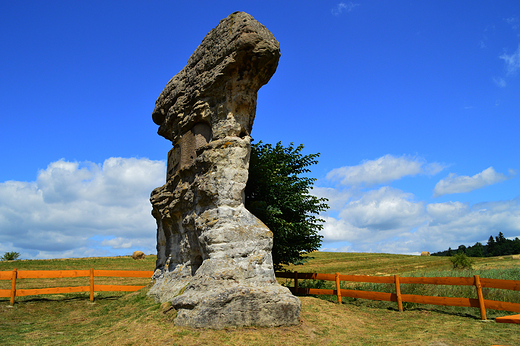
x=135, y=319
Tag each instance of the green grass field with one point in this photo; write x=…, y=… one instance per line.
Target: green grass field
x=135, y=319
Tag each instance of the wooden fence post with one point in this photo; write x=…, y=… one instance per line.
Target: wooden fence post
x=91, y=284
x=13, y=286
x=398, y=293
x=295, y=282
x=338, y=288
x=480, y=298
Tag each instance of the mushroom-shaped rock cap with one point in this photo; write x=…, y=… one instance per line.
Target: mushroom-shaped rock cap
x=219, y=84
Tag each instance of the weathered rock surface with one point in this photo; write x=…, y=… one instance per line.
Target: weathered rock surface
x=214, y=259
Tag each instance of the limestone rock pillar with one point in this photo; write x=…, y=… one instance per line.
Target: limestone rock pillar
x=214, y=259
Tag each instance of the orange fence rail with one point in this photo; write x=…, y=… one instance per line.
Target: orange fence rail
x=54, y=274
x=399, y=298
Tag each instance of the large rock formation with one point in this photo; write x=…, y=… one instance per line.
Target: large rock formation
x=214, y=259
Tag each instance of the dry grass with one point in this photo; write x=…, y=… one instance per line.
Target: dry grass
x=134, y=319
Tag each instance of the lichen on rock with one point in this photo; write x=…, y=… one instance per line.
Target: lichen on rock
x=214, y=260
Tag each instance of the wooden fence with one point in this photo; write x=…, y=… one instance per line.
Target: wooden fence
x=53, y=274
x=396, y=280
x=399, y=298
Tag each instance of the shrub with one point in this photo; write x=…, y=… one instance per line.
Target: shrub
x=10, y=256
x=312, y=283
x=461, y=261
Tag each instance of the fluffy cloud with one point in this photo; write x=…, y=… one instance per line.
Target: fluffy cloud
x=376, y=216
x=457, y=184
x=390, y=220
x=413, y=228
x=382, y=170
x=343, y=7
x=455, y=223
x=512, y=61
x=384, y=209
x=443, y=213
x=81, y=209
x=514, y=22
x=85, y=209
x=500, y=82
x=336, y=198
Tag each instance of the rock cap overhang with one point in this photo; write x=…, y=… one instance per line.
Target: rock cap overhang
x=206, y=87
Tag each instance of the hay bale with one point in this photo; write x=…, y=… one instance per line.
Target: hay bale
x=425, y=253
x=138, y=255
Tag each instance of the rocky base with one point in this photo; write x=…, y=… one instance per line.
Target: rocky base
x=236, y=285
x=223, y=301
x=220, y=304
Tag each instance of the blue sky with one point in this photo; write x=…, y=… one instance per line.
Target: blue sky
x=413, y=107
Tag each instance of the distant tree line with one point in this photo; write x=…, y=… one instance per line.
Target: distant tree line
x=497, y=246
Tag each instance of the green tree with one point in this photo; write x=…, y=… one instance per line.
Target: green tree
x=500, y=239
x=10, y=256
x=278, y=193
x=476, y=250
x=461, y=261
x=491, y=247
x=516, y=246
x=503, y=245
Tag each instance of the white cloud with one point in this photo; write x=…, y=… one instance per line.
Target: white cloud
x=390, y=220
x=512, y=61
x=339, y=230
x=343, y=7
x=117, y=243
x=336, y=198
x=87, y=209
x=458, y=184
x=500, y=82
x=378, y=215
x=513, y=22
x=383, y=170
x=413, y=230
x=443, y=213
x=462, y=224
x=81, y=209
x=384, y=209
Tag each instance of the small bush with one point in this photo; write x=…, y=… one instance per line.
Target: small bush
x=311, y=283
x=10, y=256
x=461, y=261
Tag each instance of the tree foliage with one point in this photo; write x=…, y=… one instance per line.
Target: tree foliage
x=278, y=193
x=461, y=261
x=10, y=256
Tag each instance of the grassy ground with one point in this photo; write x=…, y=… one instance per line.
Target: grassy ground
x=134, y=319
